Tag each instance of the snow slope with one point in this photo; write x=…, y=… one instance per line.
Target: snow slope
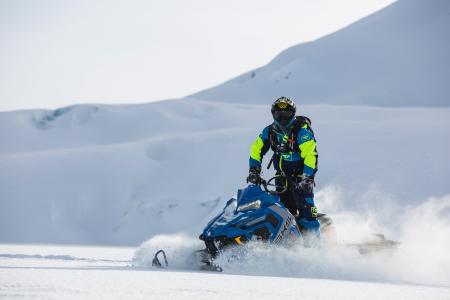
x=398, y=56
x=117, y=175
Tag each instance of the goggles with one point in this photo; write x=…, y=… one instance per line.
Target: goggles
x=282, y=114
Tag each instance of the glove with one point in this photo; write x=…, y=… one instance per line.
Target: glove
x=253, y=176
x=306, y=184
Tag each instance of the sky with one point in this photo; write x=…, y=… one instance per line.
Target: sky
x=57, y=53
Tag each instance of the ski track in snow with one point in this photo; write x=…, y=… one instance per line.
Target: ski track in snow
x=54, y=257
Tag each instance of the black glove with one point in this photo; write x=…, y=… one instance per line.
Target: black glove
x=253, y=176
x=306, y=184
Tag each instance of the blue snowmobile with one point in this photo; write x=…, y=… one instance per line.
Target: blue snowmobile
x=258, y=214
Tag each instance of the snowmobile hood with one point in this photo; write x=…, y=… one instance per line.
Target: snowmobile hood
x=253, y=211
x=254, y=192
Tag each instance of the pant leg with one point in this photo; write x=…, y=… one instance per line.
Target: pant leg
x=307, y=218
x=287, y=198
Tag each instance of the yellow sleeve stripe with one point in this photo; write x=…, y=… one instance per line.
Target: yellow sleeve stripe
x=309, y=154
x=256, y=149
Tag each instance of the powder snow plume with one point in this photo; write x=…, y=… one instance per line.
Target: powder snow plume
x=422, y=257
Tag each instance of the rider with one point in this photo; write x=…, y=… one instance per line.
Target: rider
x=295, y=160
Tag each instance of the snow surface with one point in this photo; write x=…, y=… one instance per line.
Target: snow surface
x=398, y=56
x=62, y=272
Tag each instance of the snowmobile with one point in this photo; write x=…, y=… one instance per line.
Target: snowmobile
x=255, y=214
x=258, y=214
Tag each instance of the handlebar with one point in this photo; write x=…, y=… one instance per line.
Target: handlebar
x=278, y=189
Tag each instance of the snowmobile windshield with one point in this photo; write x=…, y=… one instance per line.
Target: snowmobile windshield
x=229, y=210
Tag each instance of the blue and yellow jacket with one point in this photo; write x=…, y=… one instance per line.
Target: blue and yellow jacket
x=295, y=161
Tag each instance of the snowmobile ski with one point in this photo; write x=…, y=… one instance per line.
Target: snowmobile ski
x=206, y=261
x=156, y=262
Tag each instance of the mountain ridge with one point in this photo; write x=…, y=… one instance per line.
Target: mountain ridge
x=394, y=57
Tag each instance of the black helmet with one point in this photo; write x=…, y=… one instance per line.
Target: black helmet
x=283, y=110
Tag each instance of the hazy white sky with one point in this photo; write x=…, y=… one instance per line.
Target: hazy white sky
x=56, y=53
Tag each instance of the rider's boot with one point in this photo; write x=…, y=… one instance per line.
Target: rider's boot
x=311, y=231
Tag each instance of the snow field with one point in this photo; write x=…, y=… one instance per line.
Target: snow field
x=89, y=277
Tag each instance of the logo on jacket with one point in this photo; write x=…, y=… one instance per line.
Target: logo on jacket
x=305, y=138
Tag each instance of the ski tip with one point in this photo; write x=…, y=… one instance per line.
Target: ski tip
x=156, y=262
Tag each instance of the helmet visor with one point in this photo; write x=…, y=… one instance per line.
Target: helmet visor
x=283, y=116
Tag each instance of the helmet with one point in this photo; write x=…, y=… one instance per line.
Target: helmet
x=283, y=110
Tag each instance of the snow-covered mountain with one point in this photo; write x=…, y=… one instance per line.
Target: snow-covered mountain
x=398, y=56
